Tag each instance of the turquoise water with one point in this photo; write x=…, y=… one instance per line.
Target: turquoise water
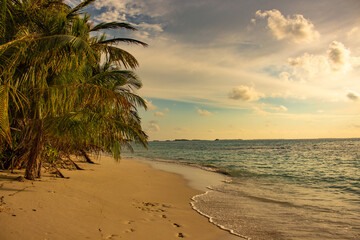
x=279, y=189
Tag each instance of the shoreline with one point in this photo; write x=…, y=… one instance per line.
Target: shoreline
x=125, y=200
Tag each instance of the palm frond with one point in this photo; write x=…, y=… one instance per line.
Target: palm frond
x=112, y=25
x=120, y=56
x=58, y=44
x=79, y=7
x=115, y=79
x=133, y=98
x=57, y=3
x=4, y=116
x=125, y=40
x=18, y=98
x=3, y=10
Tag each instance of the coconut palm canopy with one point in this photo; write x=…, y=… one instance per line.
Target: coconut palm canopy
x=63, y=85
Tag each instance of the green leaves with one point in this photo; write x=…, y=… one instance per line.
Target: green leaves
x=3, y=9
x=4, y=116
x=121, y=57
x=56, y=74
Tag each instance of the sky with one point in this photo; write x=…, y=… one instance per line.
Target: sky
x=244, y=69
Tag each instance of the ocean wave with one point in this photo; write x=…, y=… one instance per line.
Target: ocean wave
x=196, y=198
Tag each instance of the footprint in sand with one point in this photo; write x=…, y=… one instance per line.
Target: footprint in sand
x=111, y=236
x=180, y=235
x=151, y=207
x=128, y=222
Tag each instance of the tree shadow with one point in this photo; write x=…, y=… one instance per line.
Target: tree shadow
x=7, y=176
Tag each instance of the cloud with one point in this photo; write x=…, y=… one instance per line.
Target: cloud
x=121, y=7
x=285, y=76
x=353, y=96
x=166, y=110
x=159, y=114
x=262, y=109
x=281, y=108
x=204, y=113
x=295, y=27
x=151, y=27
x=339, y=57
x=309, y=65
x=150, y=105
x=239, y=57
x=244, y=93
x=153, y=126
x=111, y=16
x=139, y=13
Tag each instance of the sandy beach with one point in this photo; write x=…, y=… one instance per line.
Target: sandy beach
x=109, y=200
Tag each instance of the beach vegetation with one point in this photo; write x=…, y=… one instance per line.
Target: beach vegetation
x=64, y=84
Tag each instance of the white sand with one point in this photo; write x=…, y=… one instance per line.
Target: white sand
x=126, y=200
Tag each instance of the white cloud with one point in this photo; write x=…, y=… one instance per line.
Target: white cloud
x=353, y=96
x=339, y=57
x=263, y=109
x=147, y=31
x=285, y=76
x=281, y=108
x=111, y=16
x=150, y=27
x=150, y=105
x=296, y=27
x=244, y=93
x=185, y=68
x=129, y=11
x=133, y=8
x=159, y=114
x=204, y=113
x=309, y=65
x=119, y=6
x=153, y=126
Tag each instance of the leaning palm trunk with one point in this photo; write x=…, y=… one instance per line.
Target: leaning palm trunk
x=86, y=156
x=33, y=168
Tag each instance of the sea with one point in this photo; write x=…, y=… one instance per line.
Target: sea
x=274, y=189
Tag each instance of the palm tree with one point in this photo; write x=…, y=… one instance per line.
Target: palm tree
x=63, y=87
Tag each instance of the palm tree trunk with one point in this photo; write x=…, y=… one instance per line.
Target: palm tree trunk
x=36, y=144
x=76, y=166
x=87, y=158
